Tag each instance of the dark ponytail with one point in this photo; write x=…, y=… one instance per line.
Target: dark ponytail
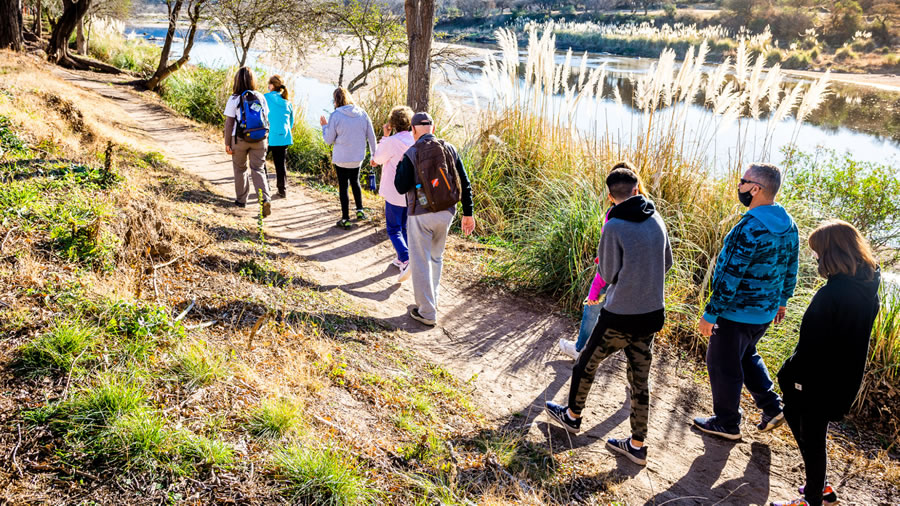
x=278, y=85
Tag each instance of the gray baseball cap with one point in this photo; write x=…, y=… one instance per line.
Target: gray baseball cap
x=422, y=118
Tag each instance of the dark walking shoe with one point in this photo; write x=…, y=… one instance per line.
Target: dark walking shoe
x=345, y=224
x=711, y=426
x=266, y=209
x=360, y=215
x=770, y=422
x=414, y=314
x=282, y=194
x=240, y=204
x=560, y=415
x=829, y=496
x=623, y=446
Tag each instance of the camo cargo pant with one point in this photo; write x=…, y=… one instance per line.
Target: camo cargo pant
x=639, y=352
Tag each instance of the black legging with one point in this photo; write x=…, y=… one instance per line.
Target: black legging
x=278, y=156
x=810, y=429
x=348, y=177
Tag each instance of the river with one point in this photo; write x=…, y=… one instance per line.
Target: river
x=862, y=121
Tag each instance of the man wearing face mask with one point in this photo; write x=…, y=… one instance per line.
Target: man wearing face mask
x=754, y=277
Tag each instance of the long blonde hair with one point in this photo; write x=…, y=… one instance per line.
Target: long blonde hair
x=278, y=85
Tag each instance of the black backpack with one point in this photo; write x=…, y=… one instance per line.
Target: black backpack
x=436, y=172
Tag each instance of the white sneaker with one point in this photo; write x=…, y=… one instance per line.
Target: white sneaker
x=405, y=273
x=398, y=264
x=568, y=348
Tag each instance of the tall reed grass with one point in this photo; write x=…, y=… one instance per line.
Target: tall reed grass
x=107, y=42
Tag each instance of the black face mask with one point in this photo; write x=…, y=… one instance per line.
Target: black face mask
x=745, y=197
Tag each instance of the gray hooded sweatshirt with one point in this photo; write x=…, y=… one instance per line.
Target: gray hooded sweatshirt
x=348, y=130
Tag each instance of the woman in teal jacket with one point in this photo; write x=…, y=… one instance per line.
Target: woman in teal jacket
x=281, y=122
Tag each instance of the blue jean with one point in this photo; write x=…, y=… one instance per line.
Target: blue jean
x=589, y=316
x=395, y=223
x=733, y=362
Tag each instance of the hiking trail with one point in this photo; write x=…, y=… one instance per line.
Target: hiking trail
x=508, y=344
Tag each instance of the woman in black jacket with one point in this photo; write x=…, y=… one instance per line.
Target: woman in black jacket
x=821, y=379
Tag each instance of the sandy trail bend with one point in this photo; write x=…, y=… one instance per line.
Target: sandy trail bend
x=509, y=343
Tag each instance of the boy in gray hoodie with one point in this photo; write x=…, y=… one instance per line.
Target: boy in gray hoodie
x=348, y=129
x=634, y=255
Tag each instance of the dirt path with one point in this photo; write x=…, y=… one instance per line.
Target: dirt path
x=510, y=344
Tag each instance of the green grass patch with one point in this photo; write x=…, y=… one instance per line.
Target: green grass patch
x=197, y=365
x=141, y=329
x=322, y=477
x=57, y=350
x=273, y=419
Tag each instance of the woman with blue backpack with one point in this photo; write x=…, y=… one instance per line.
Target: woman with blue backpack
x=348, y=129
x=246, y=131
x=281, y=122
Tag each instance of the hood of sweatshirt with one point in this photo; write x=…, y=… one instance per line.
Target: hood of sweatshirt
x=864, y=283
x=774, y=217
x=636, y=209
x=351, y=111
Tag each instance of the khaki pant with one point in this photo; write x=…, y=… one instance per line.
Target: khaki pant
x=256, y=152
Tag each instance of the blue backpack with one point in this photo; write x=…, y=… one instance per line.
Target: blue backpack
x=254, y=123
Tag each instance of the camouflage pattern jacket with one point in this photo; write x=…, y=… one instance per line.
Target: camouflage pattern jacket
x=757, y=268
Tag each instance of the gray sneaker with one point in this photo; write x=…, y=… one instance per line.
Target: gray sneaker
x=770, y=422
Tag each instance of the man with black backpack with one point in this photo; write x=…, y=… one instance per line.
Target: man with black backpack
x=434, y=180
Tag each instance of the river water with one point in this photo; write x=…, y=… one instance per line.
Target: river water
x=852, y=119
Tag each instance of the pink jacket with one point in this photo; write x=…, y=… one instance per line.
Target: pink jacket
x=598, y=284
x=389, y=154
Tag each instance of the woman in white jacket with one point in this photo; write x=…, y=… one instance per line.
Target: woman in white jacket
x=348, y=129
x=388, y=154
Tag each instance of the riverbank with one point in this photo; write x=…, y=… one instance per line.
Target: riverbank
x=336, y=314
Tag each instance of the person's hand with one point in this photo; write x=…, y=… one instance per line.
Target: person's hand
x=779, y=316
x=589, y=302
x=372, y=163
x=386, y=128
x=229, y=150
x=705, y=327
x=323, y=121
x=468, y=224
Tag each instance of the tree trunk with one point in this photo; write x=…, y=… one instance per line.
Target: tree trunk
x=419, y=29
x=38, y=17
x=11, y=25
x=58, y=47
x=79, y=37
x=160, y=75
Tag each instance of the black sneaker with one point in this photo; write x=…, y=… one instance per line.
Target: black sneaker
x=360, y=215
x=623, y=446
x=414, y=314
x=711, y=426
x=560, y=415
x=282, y=194
x=345, y=224
x=240, y=204
x=770, y=422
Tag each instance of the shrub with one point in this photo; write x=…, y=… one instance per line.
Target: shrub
x=797, y=60
x=200, y=93
x=864, y=194
x=845, y=53
x=309, y=154
x=322, y=477
x=774, y=56
x=670, y=9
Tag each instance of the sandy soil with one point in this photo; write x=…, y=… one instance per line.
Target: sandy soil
x=507, y=345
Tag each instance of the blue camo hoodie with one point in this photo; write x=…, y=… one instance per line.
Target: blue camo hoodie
x=349, y=129
x=757, y=269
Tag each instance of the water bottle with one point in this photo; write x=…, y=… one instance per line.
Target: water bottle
x=420, y=196
x=371, y=180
